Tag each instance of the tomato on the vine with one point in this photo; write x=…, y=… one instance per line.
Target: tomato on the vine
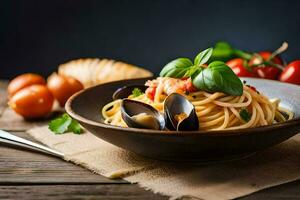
x=238, y=67
x=267, y=72
x=291, y=73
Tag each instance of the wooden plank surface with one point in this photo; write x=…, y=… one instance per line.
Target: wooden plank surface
x=122, y=191
x=60, y=192
x=30, y=175
x=10, y=121
x=3, y=96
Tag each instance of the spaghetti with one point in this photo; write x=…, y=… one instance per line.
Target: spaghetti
x=215, y=111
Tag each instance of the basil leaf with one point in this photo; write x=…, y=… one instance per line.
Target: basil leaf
x=226, y=80
x=203, y=57
x=218, y=77
x=176, y=68
x=193, y=70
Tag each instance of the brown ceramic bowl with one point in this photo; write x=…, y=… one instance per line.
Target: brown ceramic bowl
x=86, y=106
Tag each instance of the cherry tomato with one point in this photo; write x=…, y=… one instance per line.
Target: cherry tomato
x=150, y=92
x=34, y=101
x=63, y=87
x=267, y=72
x=23, y=81
x=237, y=66
x=291, y=73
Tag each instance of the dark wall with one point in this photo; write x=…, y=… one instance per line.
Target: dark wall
x=38, y=35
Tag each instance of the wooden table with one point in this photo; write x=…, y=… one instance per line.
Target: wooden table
x=30, y=175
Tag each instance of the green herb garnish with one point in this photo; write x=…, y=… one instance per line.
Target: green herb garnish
x=217, y=77
x=203, y=57
x=65, y=124
x=137, y=92
x=177, y=68
x=184, y=67
x=245, y=115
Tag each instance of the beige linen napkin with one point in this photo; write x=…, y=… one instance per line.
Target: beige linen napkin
x=229, y=180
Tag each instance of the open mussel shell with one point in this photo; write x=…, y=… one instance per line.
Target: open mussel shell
x=175, y=105
x=131, y=108
x=125, y=91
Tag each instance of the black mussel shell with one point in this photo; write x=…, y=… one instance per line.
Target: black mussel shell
x=130, y=108
x=124, y=92
x=176, y=104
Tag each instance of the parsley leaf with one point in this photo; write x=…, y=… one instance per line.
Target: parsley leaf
x=245, y=115
x=65, y=124
x=75, y=127
x=137, y=92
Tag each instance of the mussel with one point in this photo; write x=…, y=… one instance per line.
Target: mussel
x=140, y=115
x=125, y=91
x=180, y=113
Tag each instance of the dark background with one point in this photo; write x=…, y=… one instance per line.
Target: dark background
x=36, y=36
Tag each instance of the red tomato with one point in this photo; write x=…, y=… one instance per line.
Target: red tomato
x=291, y=73
x=150, y=92
x=34, y=101
x=23, y=81
x=237, y=66
x=63, y=87
x=267, y=72
x=265, y=55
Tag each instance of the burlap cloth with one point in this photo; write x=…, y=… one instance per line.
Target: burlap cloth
x=230, y=180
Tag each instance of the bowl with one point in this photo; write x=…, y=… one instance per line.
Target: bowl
x=205, y=146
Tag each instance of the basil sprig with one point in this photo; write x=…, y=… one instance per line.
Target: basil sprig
x=184, y=67
x=176, y=68
x=217, y=77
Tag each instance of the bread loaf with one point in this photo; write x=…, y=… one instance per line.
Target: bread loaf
x=93, y=71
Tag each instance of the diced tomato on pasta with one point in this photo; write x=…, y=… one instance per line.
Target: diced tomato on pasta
x=189, y=86
x=150, y=92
